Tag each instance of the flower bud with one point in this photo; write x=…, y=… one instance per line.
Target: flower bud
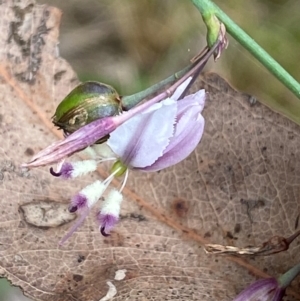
x=262, y=290
x=86, y=103
x=269, y=289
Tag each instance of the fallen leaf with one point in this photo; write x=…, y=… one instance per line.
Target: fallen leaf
x=247, y=153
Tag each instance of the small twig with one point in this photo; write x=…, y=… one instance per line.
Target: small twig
x=275, y=244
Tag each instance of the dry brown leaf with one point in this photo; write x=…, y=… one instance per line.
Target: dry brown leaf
x=247, y=153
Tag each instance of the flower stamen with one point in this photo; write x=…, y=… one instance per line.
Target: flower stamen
x=108, y=216
x=73, y=208
x=124, y=181
x=55, y=174
x=74, y=227
x=102, y=231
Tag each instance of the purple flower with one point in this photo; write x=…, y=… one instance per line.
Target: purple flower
x=269, y=289
x=262, y=290
x=162, y=136
x=79, y=140
x=150, y=137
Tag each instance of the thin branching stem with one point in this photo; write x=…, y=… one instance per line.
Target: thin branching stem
x=208, y=8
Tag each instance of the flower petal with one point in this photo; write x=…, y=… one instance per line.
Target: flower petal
x=143, y=138
x=261, y=290
x=196, y=99
x=82, y=138
x=181, y=146
x=188, y=132
x=181, y=89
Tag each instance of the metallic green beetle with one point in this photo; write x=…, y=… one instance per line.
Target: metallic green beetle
x=86, y=103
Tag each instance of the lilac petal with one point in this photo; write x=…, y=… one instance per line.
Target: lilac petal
x=181, y=89
x=82, y=138
x=279, y=294
x=188, y=133
x=192, y=118
x=196, y=99
x=143, y=138
x=261, y=290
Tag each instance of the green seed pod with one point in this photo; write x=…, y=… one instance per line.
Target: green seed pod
x=86, y=103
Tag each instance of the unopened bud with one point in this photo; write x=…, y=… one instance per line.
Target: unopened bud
x=86, y=103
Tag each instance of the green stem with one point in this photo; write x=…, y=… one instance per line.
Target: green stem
x=207, y=7
x=286, y=279
x=130, y=101
x=167, y=93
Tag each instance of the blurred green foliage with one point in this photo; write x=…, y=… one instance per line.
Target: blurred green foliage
x=9, y=293
x=274, y=25
x=133, y=44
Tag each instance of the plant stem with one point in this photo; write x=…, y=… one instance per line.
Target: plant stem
x=167, y=93
x=130, y=101
x=207, y=7
x=286, y=279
